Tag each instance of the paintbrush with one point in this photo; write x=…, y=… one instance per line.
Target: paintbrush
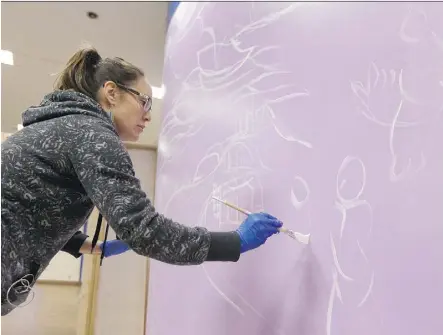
x=304, y=239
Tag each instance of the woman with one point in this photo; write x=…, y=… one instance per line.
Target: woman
x=69, y=157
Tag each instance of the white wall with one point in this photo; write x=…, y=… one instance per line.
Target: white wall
x=53, y=311
x=123, y=279
x=63, y=267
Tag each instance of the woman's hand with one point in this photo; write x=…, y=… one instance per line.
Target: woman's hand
x=256, y=229
x=114, y=247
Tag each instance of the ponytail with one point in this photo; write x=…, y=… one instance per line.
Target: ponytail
x=86, y=71
x=79, y=73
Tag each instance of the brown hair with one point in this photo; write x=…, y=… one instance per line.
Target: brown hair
x=86, y=72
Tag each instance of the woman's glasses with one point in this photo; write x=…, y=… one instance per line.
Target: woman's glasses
x=145, y=100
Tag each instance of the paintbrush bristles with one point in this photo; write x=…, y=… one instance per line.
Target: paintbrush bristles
x=299, y=237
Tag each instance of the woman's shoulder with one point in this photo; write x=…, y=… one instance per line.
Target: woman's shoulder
x=64, y=106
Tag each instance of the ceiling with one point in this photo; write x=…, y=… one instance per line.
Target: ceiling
x=43, y=36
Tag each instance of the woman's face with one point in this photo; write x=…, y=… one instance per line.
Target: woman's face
x=130, y=108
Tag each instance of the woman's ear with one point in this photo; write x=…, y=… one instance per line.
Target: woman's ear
x=111, y=92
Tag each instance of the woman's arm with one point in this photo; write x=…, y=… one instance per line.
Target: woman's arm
x=105, y=170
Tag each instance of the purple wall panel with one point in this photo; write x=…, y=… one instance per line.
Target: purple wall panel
x=329, y=116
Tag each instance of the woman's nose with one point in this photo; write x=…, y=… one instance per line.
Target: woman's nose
x=147, y=117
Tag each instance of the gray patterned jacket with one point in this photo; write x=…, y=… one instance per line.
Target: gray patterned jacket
x=68, y=158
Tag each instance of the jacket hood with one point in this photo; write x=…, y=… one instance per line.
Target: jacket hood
x=63, y=103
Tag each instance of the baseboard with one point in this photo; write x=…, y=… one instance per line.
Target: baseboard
x=59, y=282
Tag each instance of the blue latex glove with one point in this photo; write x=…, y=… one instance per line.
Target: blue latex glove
x=256, y=229
x=114, y=247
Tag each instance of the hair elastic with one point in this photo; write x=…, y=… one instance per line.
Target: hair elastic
x=24, y=287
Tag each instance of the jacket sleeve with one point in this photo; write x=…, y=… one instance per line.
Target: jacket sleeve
x=74, y=244
x=105, y=170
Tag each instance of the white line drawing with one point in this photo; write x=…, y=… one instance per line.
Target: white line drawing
x=368, y=293
x=223, y=295
x=336, y=262
x=202, y=222
x=213, y=155
x=225, y=189
x=339, y=186
x=243, y=83
x=406, y=96
x=250, y=306
x=343, y=204
x=397, y=93
x=289, y=138
x=229, y=159
x=404, y=35
x=335, y=293
x=299, y=203
x=219, y=78
x=364, y=91
x=185, y=18
x=257, y=312
x=417, y=13
x=403, y=94
x=362, y=252
x=216, y=206
x=393, y=176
